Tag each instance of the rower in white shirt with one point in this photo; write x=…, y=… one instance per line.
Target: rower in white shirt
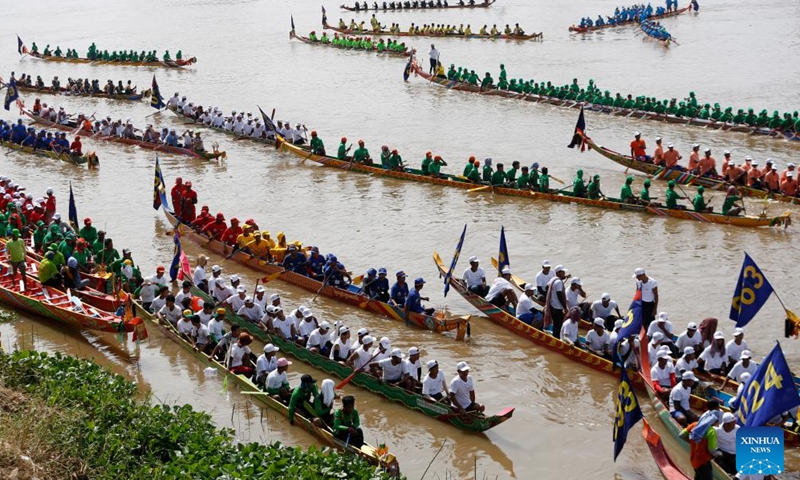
x=319, y=341
x=185, y=325
x=249, y=310
x=340, y=351
x=726, y=442
x=228, y=125
x=501, y=293
x=744, y=365
x=735, y=347
x=475, y=277
x=687, y=363
x=258, y=130
x=181, y=103
x=247, y=129
x=188, y=109
x=261, y=298
x=598, y=339
x=663, y=375
x=187, y=139
x=543, y=278
x=414, y=367
x=199, y=274
x=714, y=358
x=238, y=125
x=434, y=386
x=652, y=347
x=679, y=398
x=266, y=363
x=221, y=292
x=200, y=335
x=663, y=325
x=216, y=326
x=605, y=308
x=383, y=350
x=615, y=332
x=526, y=308
x=170, y=311
x=462, y=391
x=392, y=370
x=690, y=338
x=569, y=331
x=306, y=326
x=361, y=356
x=173, y=101
x=218, y=121
x=237, y=301
x=297, y=135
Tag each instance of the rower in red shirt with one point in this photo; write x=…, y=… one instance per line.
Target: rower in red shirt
x=188, y=203
x=203, y=219
x=49, y=206
x=216, y=228
x=177, y=196
x=76, y=147
x=36, y=215
x=232, y=233
x=638, y=147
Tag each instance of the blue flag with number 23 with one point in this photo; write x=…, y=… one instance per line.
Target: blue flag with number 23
x=752, y=292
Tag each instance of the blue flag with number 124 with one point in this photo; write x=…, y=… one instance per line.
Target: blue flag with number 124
x=752, y=292
x=769, y=392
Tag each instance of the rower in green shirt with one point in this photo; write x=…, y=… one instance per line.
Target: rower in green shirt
x=487, y=170
x=699, y=202
x=166, y=56
x=626, y=192
x=98, y=245
x=343, y=149
x=499, y=176
x=523, y=182
x=470, y=167
x=474, y=175
x=673, y=197
x=487, y=82
x=544, y=181
x=593, y=190
x=503, y=72
x=578, y=187
x=385, y=156
x=426, y=163
x=48, y=272
x=317, y=147
x=434, y=168
x=644, y=196
x=361, y=155
x=473, y=78
x=729, y=207
x=346, y=423
x=511, y=174
x=395, y=161
x=302, y=394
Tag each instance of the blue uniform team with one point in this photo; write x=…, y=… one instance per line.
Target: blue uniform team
x=634, y=12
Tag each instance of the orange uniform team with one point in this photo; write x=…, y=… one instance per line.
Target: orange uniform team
x=747, y=173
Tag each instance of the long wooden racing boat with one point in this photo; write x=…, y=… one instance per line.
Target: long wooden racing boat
x=186, y=118
x=59, y=306
x=468, y=421
x=72, y=126
x=613, y=204
x=663, y=412
x=609, y=110
x=69, y=93
x=635, y=21
x=384, y=460
x=400, y=6
x=669, y=469
x=646, y=28
x=347, y=31
x=539, y=337
x=389, y=53
x=157, y=63
x=64, y=157
x=681, y=176
x=351, y=296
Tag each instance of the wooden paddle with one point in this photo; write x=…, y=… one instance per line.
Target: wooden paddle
x=479, y=189
x=557, y=180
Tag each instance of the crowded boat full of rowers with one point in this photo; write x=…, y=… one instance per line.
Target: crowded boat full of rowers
x=417, y=5
x=80, y=87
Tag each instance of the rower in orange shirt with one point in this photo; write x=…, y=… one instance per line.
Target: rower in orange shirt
x=748, y=163
x=735, y=175
x=638, y=147
x=772, y=181
x=725, y=163
x=754, y=176
x=707, y=165
x=694, y=159
x=658, y=155
x=789, y=186
x=671, y=157
x=789, y=168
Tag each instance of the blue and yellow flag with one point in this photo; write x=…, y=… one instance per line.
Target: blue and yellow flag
x=268, y=125
x=628, y=412
x=73, y=210
x=409, y=67
x=769, y=392
x=752, y=292
x=12, y=94
x=160, y=189
x=449, y=274
x=502, y=256
x=156, y=100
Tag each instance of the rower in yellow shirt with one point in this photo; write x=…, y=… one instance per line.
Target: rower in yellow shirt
x=342, y=25
x=467, y=31
x=494, y=30
x=258, y=247
x=245, y=237
x=483, y=31
x=268, y=239
x=353, y=24
x=411, y=29
x=461, y=29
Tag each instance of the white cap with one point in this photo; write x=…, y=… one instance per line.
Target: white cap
x=559, y=268
x=343, y=330
x=529, y=287
x=473, y=259
x=663, y=354
x=670, y=145
x=636, y=134
x=367, y=340
x=728, y=417
x=769, y=161
x=745, y=354
x=708, y=150
x=260, y=289
x=234, y=278
x=216, y=268
x=462, y=366
x=658, y=336
x=546, y=264
x=506, y=271
x=386, y=343
x=220, y=282
x=248, y=299
x=432, y=363
x=600, y=322
x=737, y=331
x=688, y=351
x=689, y=376
x=413, y=351
x=306, y=312
x=790, y=164
x=241, y=289
x=618, y=323
x=719, y=335
x=691, y=326
x=57, y=216
x=605, y=296
x=362, y=331
x=274, y=297
x=397, y=353
x=755, y=164
x=324, y=325
x=662, y=317
x=658, y=139
x=270, y=348
x=694, y=145
x=269, y=309
x=748, y=158
x=637, y=272
x=726, y=152
x=276, y=309
x=575, y=281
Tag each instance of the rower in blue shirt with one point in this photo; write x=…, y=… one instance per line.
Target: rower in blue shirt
x=599, y=21
x=5, y=131
x=295, y=261
x=172, y=139
x=61, y=144
x=399, y=290
x=368, y=284
x=315, y=263
x=30, y=139
x=382, y=286
x=19, y=132
x=414, y=300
